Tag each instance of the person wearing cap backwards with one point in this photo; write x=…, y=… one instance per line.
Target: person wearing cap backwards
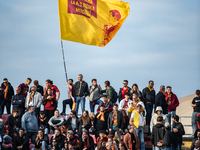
x=70, y=137
x=137, y=120
x=154, y=117
x=108, y=105
x=86, y=142
x=30, y=124
x=100, y=121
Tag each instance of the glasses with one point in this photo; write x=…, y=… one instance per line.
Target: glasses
x=124, y=83
x=5, y=82
x=71, y=114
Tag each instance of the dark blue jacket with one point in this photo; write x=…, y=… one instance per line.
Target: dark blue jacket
x=18, y=101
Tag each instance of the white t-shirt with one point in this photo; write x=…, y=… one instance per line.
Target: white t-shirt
x=141, y=123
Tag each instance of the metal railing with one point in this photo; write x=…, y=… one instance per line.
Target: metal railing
x=186, y=125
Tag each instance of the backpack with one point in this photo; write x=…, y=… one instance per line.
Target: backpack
x=114, y=99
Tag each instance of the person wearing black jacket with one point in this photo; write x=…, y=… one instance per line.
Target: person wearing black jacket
x=42, y=140
x=177, y=133
x=86, y=141
x=167, y=142
x=100, y=121
x=81, y=91
x=21, y=141
x=115, y=120
x=14, y=121
x=58, y=137
x=148, y=94
x=123, y=90
x=8, y=93
x=160, y=100
x=83, y=122
x=158, y=133
x=18, y=101
x=1, y=102
x=73, y=121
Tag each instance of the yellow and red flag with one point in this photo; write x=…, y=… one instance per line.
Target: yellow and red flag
x=92, y=22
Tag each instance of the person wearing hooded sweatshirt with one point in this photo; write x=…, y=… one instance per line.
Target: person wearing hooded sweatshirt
x=154, y=117
x=8, y=92
x=167, y=142
x=157, y=134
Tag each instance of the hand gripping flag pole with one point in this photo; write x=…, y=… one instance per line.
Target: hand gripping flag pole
x=64, y=61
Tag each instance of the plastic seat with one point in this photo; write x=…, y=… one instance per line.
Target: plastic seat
x=94, y=138
x=5, y=117
x=31, y=146
x=49, y=135
x=68, y=117
x=8, y=145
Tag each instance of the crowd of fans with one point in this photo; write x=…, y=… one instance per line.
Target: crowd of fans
x=111, y=127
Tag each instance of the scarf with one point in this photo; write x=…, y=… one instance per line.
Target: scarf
x=7, y=129
x=31, y=98
x=5, y=93
x=87, y=142
x=42, y=120
x=169, y=97
x=114, y=119
x=40, y=137
x=133, y=141
x=113, y=147
x=62, y=129
x=101, y=115
x=150, y=88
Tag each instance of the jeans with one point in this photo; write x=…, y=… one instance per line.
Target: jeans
x=16, y=130
x=169, y=117
x=194, y=122
x=21, y=111
x=36, y=111
x=7, y=138
x=65, y=102
x=93, y=106
x=149, y=109
x=139, y=132
x=158, y=148
x=174, y=145
x=82, y=101
x=168, y=148
x=44, y=145
x=8, y=105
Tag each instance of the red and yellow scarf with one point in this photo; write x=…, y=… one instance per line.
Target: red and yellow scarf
x=114, y=119
x=5, y=93
x=101, y=115
x=32, y=95
x=86, y=143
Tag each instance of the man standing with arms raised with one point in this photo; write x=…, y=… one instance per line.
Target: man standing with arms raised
x=81, y=91
x=148, y=94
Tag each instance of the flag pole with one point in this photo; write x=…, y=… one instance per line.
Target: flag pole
x=64, y=61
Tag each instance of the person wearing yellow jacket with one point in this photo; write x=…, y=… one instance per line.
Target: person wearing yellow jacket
x=137, y=120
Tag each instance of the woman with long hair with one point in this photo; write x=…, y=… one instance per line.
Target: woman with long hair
x=126, y=122
x=101, y=145
x=117, y=135
x=83, y=122
x=136, y=90
x=49, y=103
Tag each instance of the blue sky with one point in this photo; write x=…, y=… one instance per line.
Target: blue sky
x=159, y=40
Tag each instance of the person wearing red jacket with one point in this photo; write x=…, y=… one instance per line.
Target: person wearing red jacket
x=172, y=102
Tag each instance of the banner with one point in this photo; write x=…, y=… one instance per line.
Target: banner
x=92, y=22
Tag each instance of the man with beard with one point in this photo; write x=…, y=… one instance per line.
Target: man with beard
x=8, y=92
x=71, y=97
x=131, y=139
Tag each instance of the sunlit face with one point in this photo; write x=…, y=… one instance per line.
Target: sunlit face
x=21, y=132
x=125, y=84
x=168, y=90
x=5, y=82
x=70, y=135
x=56, y=113
x=33, y=88
x=115, y=108
x=94, y=83
x=57, y=132
x=159, y=112
x=40, y=133
x=47, y=84
x=28, y=82
x=85, y=114
x=70, y=82
x=127, y=97
x=102, y=109
x=80, y=78
x=31, y=110
x=101, y=134
x=134, y=97
x=135, y=88
x=84, y=135
x=49, y=91
x=151, y=84
x=104, y=99
x=17, y=90
x=110, y=140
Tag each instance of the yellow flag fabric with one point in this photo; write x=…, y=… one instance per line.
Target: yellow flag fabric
x=92, y=22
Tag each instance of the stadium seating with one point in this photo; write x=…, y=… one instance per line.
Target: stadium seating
x=5, y=117
x=7, y=145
